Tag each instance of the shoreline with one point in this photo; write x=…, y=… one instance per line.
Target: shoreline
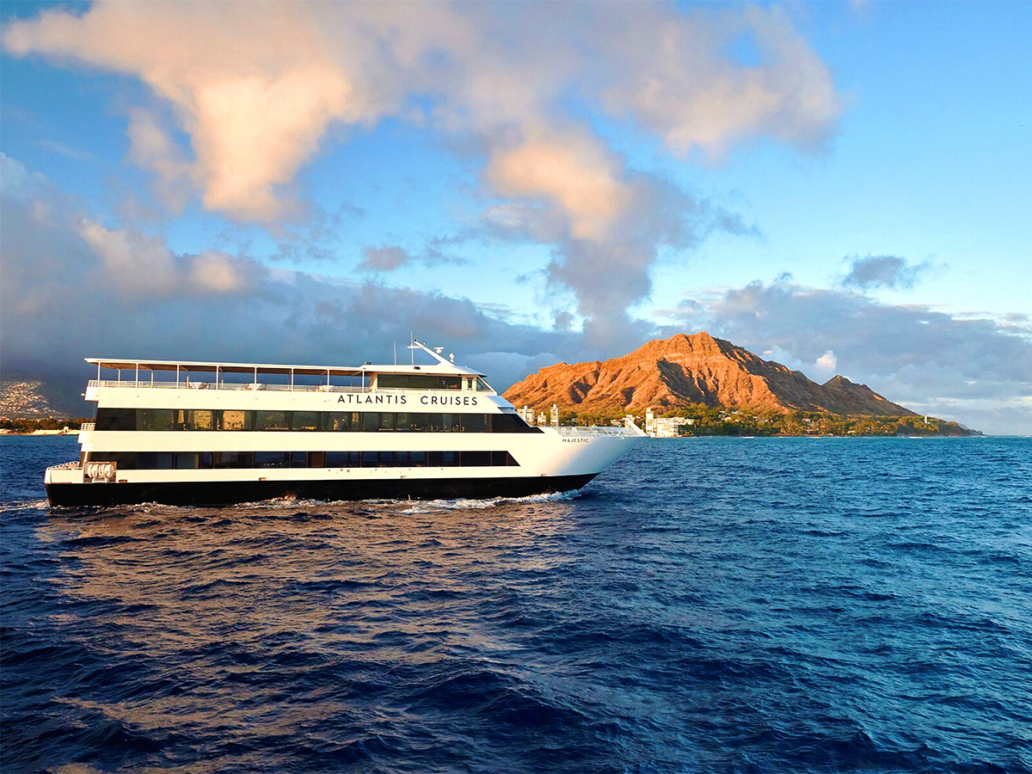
x=43, y=434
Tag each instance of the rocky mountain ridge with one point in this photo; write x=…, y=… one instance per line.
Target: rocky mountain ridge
x=694, y=368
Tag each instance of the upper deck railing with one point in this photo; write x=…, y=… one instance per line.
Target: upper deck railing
x=250, y=386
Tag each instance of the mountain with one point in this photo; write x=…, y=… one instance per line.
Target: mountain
x=695, y=368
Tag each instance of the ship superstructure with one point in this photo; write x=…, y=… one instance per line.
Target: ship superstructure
x=206, y=433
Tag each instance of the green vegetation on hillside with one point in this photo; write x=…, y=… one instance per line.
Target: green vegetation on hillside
x=716, y=421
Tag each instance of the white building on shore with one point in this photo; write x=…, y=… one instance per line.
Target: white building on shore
x=665, y=427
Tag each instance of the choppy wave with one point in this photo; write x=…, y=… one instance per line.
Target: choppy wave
x=705, y=606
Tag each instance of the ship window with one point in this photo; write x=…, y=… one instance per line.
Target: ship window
x=343, y=421
x=476, y=459
x=154, y=461
x=510, y=423
x=187, y=460
x=200, y=419
x=474, y=423
x=271, y=459
x=412, y=423
x=386, y=420
x=444, y=423
x=116, y=419
x=370, y=421
x=276, y=459
x=272, y=420
x=233, y=460
x=122, y=460
x=306, y=420
x=483, y=386
x=233, y=419
x=154, y=419
x=333, y=459
x=418, y=382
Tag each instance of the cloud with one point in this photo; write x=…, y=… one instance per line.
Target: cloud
x=257, y=89
x=942, y=364
x=884, y=271
x=64, y=150
x=73, y=287
x=142, y=267
x=391, y=257
x=827, y=362
x=573, y=172
x=383, y=259
x=677, y=84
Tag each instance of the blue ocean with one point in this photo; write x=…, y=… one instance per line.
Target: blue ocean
x=706, y=605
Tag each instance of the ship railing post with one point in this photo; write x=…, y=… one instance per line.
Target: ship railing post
x=137, y=374
x=216, y=377
x=291, y=379
x=177, y=375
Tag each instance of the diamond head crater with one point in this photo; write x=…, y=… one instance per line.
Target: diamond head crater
x=723, y=389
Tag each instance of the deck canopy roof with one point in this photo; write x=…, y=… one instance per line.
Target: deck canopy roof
x=190, y=366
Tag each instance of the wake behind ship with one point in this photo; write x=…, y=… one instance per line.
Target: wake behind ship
x=348, y=433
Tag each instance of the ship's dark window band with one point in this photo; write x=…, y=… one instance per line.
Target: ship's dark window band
x=324, y=459
x=305, y=421
x=418, y=382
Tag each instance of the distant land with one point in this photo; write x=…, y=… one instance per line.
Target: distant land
x=725, y=389
x=721, y=385
x=35, y=396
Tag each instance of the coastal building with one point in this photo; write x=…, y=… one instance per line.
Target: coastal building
x=665, y=427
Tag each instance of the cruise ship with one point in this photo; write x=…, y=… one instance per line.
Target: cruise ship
x=203, y=433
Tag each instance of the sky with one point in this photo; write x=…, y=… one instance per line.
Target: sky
x=840, y=187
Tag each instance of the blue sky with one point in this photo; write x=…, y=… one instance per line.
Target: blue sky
x=819, y=136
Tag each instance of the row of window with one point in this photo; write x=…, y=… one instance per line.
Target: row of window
x=428, y=382
x=329, y=459
x=325, y=421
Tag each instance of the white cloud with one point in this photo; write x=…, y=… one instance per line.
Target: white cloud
x=132, y=262
x=827, y=363
x=257, y=86
x=947, y=365
x=140, y=267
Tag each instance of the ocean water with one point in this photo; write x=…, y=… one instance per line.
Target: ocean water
x=707, y=605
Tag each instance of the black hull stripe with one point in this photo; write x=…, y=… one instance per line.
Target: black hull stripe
x=229, y=492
